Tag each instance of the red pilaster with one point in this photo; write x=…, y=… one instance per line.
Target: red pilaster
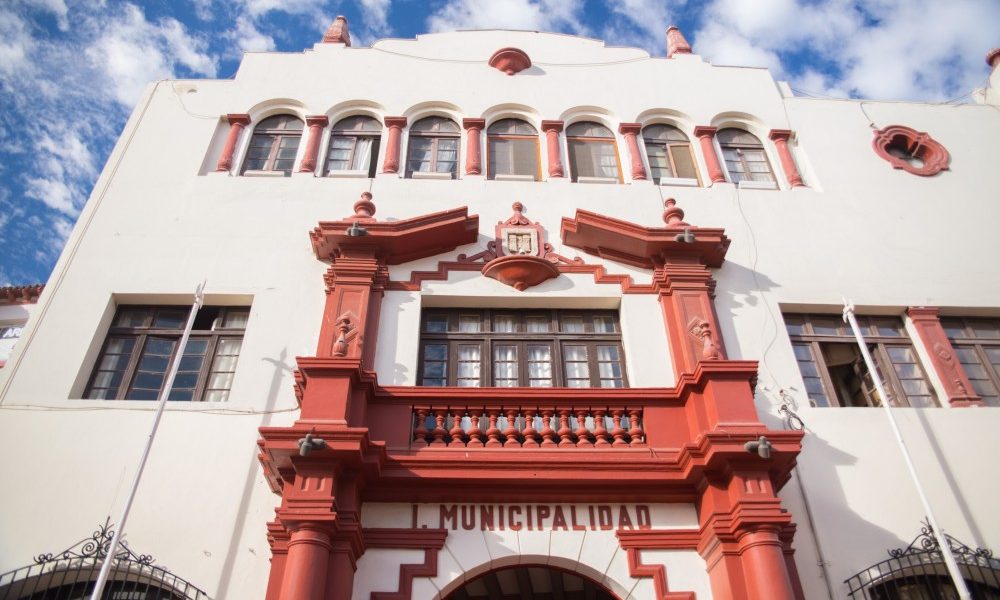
x=473, y=153
x=956, y=385
x=237, y=122
x=552, y=129
x=306, y=564
x=631, y=132
x=686, y=290
x=706, y=135
x=395, y=125
x=780, y=138
x=316, y=124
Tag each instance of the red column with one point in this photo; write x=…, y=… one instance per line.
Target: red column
x=631, y=131
x=763, y=559
x=552, y=129
x=316, y=124
x=395, y=125
x=706, y=135
x=780, y=138
x=305, y=567
x=236, y=124
x=956, y=385
x=473, y=153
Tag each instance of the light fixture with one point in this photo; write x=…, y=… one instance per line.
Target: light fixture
x=762, y=446
x=310, y=443
x=356, y=230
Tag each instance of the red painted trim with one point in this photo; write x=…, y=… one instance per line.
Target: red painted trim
x=651, y=539
x=992, y=57
x=676, y=43
x=391, y=162
x=658, y=573
x=706, y=135
x=473, y=153
x=957, y=386
x=510, y=60
x=631, y=132
x=430, y=540
x=316, y=124
x=552, y=129
x=338, y=33
x=237, y=122
x=21, y=294
x=920, y=144
x=780, y=138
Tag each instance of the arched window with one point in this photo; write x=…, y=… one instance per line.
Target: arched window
x=669, y=153
x=745, y=156
x=274, y=145
x=354, y=143
x=593, y=155
x=433, y=149
x=512, y=146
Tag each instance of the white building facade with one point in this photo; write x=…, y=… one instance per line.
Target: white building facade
x=414, y=251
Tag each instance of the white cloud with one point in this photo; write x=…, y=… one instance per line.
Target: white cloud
x=375, y=16
x=641, y=23
x=248, y=38
x=203, y=9
x=54, y=193
x=540, y=15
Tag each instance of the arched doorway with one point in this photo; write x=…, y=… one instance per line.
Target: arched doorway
x=537, y=583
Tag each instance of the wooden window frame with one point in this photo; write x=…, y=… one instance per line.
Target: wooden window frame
x=878, y=345
x=488, y=339
x=272, y=156
x=575, y=139
x=668, y=149
x=141, y=334
x=435, y=137
x=491, y=171
x=739, y=147
x=354, y=136
x=977, y=344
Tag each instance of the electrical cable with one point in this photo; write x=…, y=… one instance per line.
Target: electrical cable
x=186, y=409
x=545, y=64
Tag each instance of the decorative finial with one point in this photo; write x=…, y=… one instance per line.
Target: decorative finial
x=673, y=216
x=993, y=57
x=517, y=206
x=338, y=33
x=676, y=43
x=364, y=208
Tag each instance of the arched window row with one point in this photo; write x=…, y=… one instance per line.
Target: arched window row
x=661, y=152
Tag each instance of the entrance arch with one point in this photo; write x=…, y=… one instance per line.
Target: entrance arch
x=541, y=582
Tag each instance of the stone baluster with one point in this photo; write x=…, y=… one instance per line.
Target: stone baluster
x=439, y=431
x=529, y=432
x=565, y=433
x=456, y=427
x=548, y=434
x=511, y=431
x=617, y=432
x=600, y=431
x=493, y=433
x=420, y=431
x=475, y=434
x=582, y=434
x=636, y=439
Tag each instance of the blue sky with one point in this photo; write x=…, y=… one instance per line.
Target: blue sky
x=71, y=70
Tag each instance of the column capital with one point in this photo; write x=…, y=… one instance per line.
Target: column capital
x=780, y=134
x=395, y=121
x=629, y=128
x=238, y=118
x=317, y=120
x=555, y=126
x=705, y=130
x=473, y=123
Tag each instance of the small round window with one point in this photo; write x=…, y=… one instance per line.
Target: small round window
x=910, y=150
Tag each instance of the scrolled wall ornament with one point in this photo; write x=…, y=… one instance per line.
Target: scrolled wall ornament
x=96, y=547
x=701, y=330
x=913, y=151
x=510, y=60
x=522, y=257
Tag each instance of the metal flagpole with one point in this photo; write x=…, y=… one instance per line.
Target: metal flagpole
x=949, y=557
x=168, y=385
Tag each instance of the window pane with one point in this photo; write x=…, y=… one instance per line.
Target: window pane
x=538, y=324
x=503, y=324
x=435, y=352
x=436, y=323
x=132, y=317
x=826, y=325
x=659, y=165
x=469, y=324
x=684, y=161
x=236, y=319
x=581, y=159
x=604, y=325
x=889, y=327
x=985, y=329
x=571, y=324
x=170, y=319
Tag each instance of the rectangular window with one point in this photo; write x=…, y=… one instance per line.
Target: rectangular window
x=136, y=357
x=532, y=348
x=977, y=346
x=834, y=371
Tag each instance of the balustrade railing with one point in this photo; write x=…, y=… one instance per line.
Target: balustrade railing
x=527, y=427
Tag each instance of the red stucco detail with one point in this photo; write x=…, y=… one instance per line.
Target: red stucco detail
x=391, y=162
x=780, y=138
x=658, y=573
x=316, y=124
x=926, y=155
x=631, y=133
x=676, y=42
x=552, y=129
x=706, y=135
x=993, y=57
x=338, y=33
x=428, y=540
x=21, y=294
x=956, y=384
x=473, y=152
x=237, y=122
x=510, y=60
